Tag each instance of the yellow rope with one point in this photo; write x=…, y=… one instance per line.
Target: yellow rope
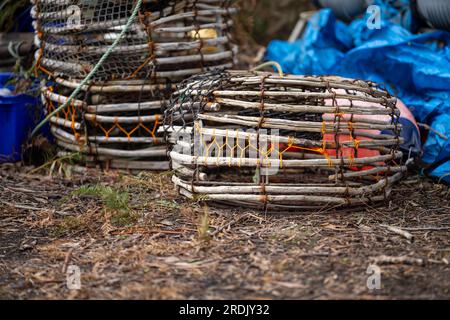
x=270, y=63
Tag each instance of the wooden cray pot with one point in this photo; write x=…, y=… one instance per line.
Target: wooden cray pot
x=114, y=120
x=278, y=143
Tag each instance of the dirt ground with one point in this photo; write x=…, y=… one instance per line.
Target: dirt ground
x=131, y=243
x=133, y=237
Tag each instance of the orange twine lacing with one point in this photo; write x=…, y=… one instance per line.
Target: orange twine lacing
x=356, y=144
x=69, y=114
x=129, y=134
x=240, y=151
x=322, y=150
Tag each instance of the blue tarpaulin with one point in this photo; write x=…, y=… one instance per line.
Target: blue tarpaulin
x=416, y=68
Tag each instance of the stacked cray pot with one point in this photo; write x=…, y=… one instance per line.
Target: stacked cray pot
x=113, y=122
x=284, y=143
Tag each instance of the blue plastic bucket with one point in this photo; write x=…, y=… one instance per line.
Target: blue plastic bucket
x=18, y=115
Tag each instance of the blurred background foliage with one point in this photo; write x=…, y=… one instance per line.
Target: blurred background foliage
x=9, y=12
x=263, y=20
x=259, y=20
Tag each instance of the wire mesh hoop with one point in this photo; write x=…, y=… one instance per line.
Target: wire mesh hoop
x=283, y=142
x=170, y=39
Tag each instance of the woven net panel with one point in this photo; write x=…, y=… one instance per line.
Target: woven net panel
x=169, y=40
x=284, y=142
